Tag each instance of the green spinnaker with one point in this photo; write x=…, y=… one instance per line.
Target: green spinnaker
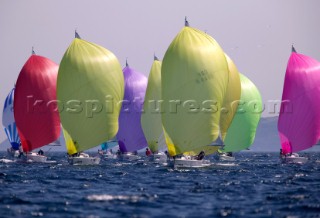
x=89, y=88
x=194, y=78
x=151, y=117
x=242, y=130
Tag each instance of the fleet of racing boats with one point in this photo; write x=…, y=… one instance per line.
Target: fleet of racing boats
x=194, y=103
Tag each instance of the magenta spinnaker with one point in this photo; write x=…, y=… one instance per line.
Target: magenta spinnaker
x=299, y=119
x=130, y=135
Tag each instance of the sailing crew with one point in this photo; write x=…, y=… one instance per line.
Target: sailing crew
x=20, y=150
x=282, y=155
x=40, y=152
x=200, y=155
x=100, y=152
x=148, y=152
x=167, y=153
x=118, y=152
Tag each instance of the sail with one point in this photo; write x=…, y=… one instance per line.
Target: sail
x=90, y=86
x=299, y=118
x=194, y=78
x=9, y=123
x=130, y=135
x=35, y=105
x=231, y=99
x=228, y=110
x=109, y=144
x=59, y=141
x=151, y=116
x=70, y=146
x=242, y=130
x=161, y=145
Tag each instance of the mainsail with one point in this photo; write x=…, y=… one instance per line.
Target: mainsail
x=9, y=123
x=194, y=78
x=242, y=130
x=90, y=87
x=299, y=118
x=130, y=135
x=151, y=116
x=35, y=106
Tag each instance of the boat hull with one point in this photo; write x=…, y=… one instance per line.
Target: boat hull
x=159, y=158
x=226, y=158
x=84, y=160
x=128, y=157
x=109, y=156
x=13, y=153
x=190, y=163
x=292, y=159
x=34, y=157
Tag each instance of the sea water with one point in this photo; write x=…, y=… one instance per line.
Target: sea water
x=255, y=185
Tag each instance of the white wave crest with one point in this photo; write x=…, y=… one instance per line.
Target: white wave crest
x=106, y=197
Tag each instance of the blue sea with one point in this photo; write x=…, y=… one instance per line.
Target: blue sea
x=256, y=185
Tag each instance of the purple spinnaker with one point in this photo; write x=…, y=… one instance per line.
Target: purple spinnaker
x=299, y=119
x=130, y=135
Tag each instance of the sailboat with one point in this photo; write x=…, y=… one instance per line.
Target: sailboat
x=230, y=104
x=194, y=79
x=130, y=135
x=90, y=86
x=242, y=131
x=299, y=118
x=35, y=106
x=10, y=126
x=151, y=116
x=106, y=149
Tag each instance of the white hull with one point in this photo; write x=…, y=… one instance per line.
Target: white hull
x=109, y=156
x=294, y=159
x=13, y=153
x=84, y=160
x=128, y=156
x=223, y=157
x=159, y=158
x=190, y=163
x=34, y=157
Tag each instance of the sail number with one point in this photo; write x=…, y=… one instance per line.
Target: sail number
x=203, y=76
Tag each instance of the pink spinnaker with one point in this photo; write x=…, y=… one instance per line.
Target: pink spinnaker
x=299, y=119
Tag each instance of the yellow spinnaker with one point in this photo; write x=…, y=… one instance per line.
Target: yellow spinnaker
x=151, y=117
x=194, y=77
x=89, y=88
x=231, y=99
x=71, y=148
x=229, y=107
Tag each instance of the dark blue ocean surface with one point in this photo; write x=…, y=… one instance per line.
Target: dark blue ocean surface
x=258, y=185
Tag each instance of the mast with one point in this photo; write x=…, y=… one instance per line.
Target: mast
x=155, y=57
x=186, y=23
x=76, y=35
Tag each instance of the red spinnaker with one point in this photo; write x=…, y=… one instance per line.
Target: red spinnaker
x=35, y=106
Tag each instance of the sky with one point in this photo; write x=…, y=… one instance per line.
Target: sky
x=257, y=35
